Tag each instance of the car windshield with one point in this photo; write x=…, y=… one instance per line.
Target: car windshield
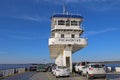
x=62, y=67
x=84, y=63
x=96, y=66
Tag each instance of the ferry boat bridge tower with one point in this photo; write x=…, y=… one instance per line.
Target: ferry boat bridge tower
x=65, y=38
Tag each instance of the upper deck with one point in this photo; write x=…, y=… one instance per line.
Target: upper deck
x=66, y=21
x=66, y=16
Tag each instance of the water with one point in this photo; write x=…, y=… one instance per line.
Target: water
x=12, y=66
x=113, y=66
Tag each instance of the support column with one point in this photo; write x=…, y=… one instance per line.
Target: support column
x=67, y=57
x=56, y=61
x=59, y=60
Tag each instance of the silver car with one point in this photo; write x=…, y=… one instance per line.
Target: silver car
x=61, y=71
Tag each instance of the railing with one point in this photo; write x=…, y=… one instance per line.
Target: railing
x=12, y=69
x=67, y=27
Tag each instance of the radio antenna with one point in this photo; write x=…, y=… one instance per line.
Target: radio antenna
x=64, y=9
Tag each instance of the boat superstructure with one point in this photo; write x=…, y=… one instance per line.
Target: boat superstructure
x=65, y=39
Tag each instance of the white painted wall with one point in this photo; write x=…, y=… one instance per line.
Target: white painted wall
x=67, y=53
x=59, y=60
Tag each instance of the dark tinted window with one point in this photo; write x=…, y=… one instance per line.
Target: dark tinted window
x=74, y=23
x=68, y=22
x=97, y=66
x=62, y=67
x=62, y=35
x=72, y=36
x=84, y=63
x=61, y=22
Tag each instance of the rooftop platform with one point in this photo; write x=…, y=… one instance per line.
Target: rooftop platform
x=66, y=16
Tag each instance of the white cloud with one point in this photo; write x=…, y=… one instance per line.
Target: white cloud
x=84, y=1
x=31, y=18
x=73, y=1
x=95, y=5
x=102, y=31
x=23, y=35
x=37, y=1
x=69, y=1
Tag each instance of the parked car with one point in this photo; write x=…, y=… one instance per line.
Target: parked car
x=41, y=67
x=94, y=70
x=53, y=69
x=61, y=71
x=79, y=66
x=73, y=67
x=33, y=67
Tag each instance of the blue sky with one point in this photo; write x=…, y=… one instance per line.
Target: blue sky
x=25, y=29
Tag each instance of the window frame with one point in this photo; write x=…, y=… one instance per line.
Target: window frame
x=61, y=22
x=72, y=35
x=74, y=23
x=62, y=35
x=67, y=22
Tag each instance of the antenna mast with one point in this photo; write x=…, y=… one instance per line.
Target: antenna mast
x=64, y=10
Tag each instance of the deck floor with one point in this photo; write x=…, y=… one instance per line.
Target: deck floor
x=49, y=76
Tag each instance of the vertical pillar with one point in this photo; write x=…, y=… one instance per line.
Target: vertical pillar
x=59, y=60
x=67, y=57
x=55, y=60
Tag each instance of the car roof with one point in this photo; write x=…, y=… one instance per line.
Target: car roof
x=94, y=64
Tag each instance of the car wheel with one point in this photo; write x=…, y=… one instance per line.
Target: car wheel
x=88, y=77
x=82, y=74
x=57, y=76
x=53, y=74
x=79, y=72
x=104, y=77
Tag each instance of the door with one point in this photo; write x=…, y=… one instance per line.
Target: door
x=67, y=61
